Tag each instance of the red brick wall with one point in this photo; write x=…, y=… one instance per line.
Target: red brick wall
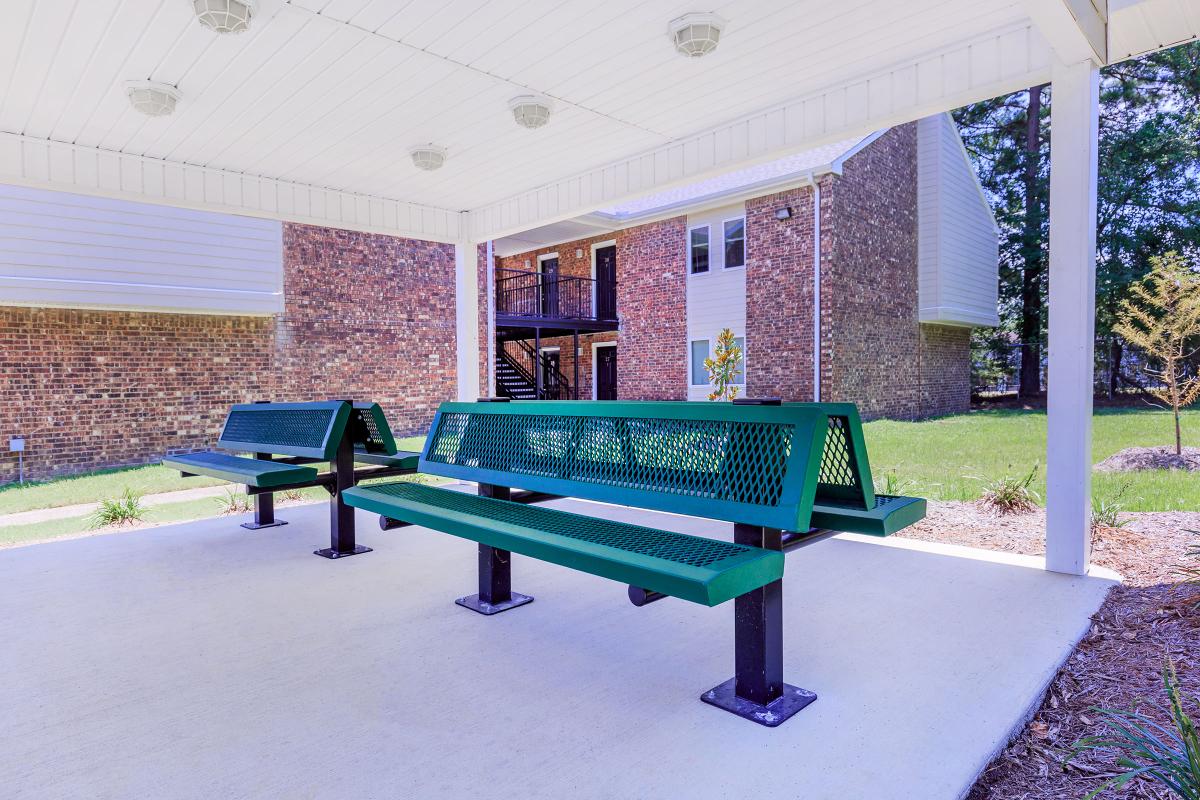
x=365, y=316
x=779, y=296
x=652, y=308
x=870, y=333
x=91, y=389
x=945, y=369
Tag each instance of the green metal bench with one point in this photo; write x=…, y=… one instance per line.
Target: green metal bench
x=336, y=432
x=758, y=466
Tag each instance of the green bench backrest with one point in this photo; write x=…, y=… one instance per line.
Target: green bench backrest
x=751, y=464
x=368, y=430
x=310, y=430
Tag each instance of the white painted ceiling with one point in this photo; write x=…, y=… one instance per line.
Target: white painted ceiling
x=332, y=93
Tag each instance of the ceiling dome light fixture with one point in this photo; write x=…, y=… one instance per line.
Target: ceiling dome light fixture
x=696, y=34
x=428, y=157
x=224, y=16
x=151, y=98
x=531, y=111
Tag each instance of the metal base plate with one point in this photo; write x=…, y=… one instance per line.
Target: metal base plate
x=256, y=525
x=475, y=604
x=773, y=713
x=329, y=552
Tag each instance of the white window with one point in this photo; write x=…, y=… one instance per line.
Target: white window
x=735, y=242
x=699, y=353
x=698, y=249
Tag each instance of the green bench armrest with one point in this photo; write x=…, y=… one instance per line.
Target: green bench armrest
x=403, y=459
x=890, y=514
x=239, y=469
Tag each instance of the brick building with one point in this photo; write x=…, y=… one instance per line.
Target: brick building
x=883, y=250
x=127, y=329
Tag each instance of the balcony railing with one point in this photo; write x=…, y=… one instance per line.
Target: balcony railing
x=524, y=293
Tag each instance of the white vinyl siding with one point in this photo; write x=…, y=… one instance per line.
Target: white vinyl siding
x=715, y=299
x=958, y=247
x=67, y=250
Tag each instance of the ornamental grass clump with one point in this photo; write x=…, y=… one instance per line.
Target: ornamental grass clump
x=1168, y=756
x=1009, y=495
x=1189, y=573
x=124, y=510
x=234, y=501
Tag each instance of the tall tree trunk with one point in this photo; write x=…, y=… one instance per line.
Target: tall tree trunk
x=1115, y=353
x=1031, y=246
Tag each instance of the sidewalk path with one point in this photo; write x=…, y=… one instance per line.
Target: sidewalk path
x=80, y=509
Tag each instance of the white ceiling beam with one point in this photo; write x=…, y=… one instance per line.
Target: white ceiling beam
x=986, y=66
x=1076, y=29
x=48, y=164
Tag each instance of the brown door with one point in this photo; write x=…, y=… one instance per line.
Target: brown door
x=606, y=282
x=606, y=373
x=549, y=269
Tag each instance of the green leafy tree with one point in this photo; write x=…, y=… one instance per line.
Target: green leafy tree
x=724, y=367
x=1148, y=195
x=1161, y=316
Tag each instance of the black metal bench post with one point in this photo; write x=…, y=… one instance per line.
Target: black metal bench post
x=341, y=516
x=757, y=691
x=264, y=506
x=495, y=571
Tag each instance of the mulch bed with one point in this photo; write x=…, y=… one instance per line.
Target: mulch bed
x=1117, y=665
x=1136, y=458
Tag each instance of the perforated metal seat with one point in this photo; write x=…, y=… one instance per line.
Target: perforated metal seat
x=237, y=469
x=705, y=571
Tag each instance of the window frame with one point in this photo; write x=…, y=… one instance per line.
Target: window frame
x=708, y=269
x=725, y=243
x=692, y=362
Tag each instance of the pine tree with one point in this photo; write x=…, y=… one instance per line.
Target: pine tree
x=1161, y=316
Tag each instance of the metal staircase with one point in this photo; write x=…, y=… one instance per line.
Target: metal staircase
x=515, y=362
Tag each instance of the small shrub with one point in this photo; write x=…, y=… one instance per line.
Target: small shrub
x=724, y=367
x=234, y=501
x=1106, y=512
x=891, y=483
x=124, y=510
x=1146, y=749
x=1009, y=495
x=291, y=494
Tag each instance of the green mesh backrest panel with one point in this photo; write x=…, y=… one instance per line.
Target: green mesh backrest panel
x=678, y=547
x=674, y=460
x=369, y=431
x=301, y=429
x=843, y=476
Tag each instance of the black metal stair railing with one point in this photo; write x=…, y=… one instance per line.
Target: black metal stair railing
x=515, y=362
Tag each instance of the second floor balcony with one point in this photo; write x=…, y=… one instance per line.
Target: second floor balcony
x=527, y=298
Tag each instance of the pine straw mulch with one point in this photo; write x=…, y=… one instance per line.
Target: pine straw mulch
x=1117, y=665
x=1137, y=458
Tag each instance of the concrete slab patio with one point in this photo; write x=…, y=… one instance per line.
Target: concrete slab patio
x=203, y=661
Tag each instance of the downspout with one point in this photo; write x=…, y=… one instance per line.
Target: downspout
x=490, y=389
x=816, y=291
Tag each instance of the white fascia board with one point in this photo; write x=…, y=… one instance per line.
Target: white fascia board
x=996, y=63
x=962, y=317
x=48, y=164
x=1076, y=29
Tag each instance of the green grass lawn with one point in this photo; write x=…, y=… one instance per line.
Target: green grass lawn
x=953, y=457
x=97, y=486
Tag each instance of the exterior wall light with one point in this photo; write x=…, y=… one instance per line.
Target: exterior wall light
x=783, y=213
x=531, y=111
x=151, y=98
x=696, y=34
x=428, y=157
x=224, y=16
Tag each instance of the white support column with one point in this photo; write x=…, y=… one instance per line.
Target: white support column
x=1073, y=149
x=466, y=318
